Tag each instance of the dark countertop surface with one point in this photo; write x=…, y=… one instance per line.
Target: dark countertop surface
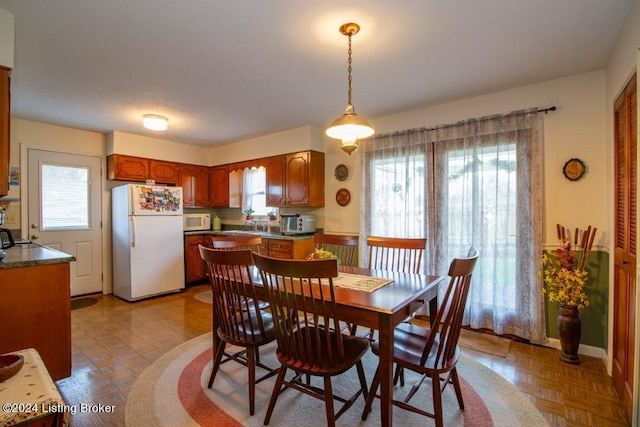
x=266, y=235
x=30, y=254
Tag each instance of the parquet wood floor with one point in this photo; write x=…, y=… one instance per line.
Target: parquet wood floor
x=114, y=341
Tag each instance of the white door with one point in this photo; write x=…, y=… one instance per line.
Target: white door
x=65, y=211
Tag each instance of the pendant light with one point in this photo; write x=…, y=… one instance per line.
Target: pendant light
x=349, y=127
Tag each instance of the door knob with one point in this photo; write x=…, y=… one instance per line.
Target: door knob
x=34, y=226
x=34, y=237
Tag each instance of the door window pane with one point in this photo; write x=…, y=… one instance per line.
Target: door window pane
x=65, y=197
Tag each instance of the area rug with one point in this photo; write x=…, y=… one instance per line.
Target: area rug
x=478, y=341
x=204, y=296
x=173, y=392
x=83, y=302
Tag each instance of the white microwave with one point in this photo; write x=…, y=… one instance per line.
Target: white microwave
x=195, y=222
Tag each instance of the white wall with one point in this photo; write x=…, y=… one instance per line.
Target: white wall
x=159, y=149
x=576, y=129
x=27, y=134
x=288, y=141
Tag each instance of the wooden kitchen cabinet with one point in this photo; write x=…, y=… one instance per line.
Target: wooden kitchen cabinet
x=127, y=168
x=193, y=263
x=163, y=172
x=5, y=108
x=219, y=186
x=203, y=198
x=35, y=312
x=194, y=181
x=287, y=249
x=296, y=179
x=275, y=178
x=138, y=169
x=187, y=180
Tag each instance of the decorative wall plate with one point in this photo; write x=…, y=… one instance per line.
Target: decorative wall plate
x=574, y=169
x=343, y=197
x=341, y=172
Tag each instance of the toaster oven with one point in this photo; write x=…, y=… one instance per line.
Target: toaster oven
x=297, y=224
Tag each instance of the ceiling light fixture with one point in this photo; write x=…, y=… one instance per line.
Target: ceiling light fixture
x=350, y=127
x=155, y=122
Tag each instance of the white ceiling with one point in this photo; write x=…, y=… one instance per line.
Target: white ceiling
x=226, y=70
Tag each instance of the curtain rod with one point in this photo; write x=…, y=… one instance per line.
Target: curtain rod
x=541, y=110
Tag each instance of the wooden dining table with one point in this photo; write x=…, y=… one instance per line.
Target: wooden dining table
x=382, y=310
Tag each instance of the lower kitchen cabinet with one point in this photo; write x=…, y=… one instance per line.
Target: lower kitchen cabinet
x=289, y=249
x=194, y=267
x=35, y=312
x=195, y=270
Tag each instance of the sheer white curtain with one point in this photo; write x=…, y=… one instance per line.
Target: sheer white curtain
x=254, y=190
x=477, y=182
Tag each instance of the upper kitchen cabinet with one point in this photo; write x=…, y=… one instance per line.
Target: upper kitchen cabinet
x=194, y=181
x=296, y=179
x=163, y=172
x=4, y=130
x=187, y=180
x=219, y=186
x=138, y=169
x=203, y=198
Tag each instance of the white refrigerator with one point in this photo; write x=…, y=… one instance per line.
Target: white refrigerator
x=148, y=243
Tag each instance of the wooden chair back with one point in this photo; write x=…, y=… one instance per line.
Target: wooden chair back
x=344, y=247
x=291, y=283
x=235, y=304
x=237, y=242
x=396, y=254
x=441, y=346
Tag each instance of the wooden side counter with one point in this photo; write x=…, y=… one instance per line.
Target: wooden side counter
x=35, y=305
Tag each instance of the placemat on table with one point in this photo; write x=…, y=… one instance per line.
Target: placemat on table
x=360, y=282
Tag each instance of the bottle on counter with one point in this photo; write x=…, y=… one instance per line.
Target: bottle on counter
x=216, y=223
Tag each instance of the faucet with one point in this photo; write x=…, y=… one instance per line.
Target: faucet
x=253, y=223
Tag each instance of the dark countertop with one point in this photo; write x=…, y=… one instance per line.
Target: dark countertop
x=266, y=235
x=30, y=254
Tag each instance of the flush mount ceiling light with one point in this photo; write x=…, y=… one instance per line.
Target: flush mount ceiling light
x=155, y=122
x=350, y=127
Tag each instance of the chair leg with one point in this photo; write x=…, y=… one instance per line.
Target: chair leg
x=274, y=394
x=456, y=386
x=328, y=402
x=372, y=394
x=398, y=375
x=437, y=399
x=363, y=380
x=216, y=361
x=251, y=365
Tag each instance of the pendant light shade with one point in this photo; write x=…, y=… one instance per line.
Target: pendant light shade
x=349, y=128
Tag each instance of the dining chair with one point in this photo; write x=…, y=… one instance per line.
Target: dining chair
x=302, y=299
x=237, y=242
x=432, y=353
x=240, y=321
x=342, y=246
x=396, y=254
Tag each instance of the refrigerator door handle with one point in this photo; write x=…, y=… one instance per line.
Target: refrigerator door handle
x=132, y=236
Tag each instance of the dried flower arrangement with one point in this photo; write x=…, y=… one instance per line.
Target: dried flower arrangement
x=565, y=274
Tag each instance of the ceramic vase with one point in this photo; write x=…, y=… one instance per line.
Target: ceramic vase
x=570, y=330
